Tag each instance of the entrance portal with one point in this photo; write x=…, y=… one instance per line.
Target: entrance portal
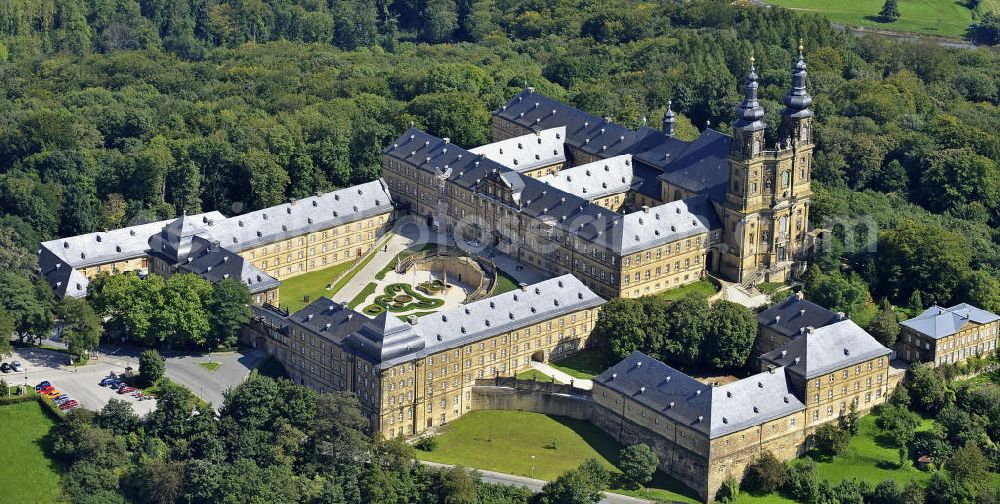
x=538, y=356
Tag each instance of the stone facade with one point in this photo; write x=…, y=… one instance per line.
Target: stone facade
x=429, y=383
x=949, y=335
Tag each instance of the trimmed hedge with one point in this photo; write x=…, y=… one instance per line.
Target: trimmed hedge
x=401, y=297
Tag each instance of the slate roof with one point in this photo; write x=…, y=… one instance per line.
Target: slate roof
x=176, y=239
x=309, y=214
x=590, y=181
x=712, y=411
x=387, y=340
x=215, y=263
x=792, y=316
x=937, y=322
x=825, y=349
x=527, y=152
x=563, y=210
x=60, y=259
x=588, y=133
x=703, y=167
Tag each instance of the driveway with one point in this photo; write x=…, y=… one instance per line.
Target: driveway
x=185, y=368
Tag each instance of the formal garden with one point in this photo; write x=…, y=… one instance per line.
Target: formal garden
x=401, y=297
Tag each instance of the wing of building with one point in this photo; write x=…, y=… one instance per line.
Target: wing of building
x=258, y=248
x=949, y=335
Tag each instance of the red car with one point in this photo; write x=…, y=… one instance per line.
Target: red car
x=46, y=390
x=126, y=389
x=68, y=405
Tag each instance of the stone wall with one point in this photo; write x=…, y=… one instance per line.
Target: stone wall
x=537, y=397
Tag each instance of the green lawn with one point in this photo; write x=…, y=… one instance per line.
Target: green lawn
x=584, y=364
x=211, y=366
x=868, y=458
x=703, y=288
x=505, y=283
x=534, y=374
x=312, y=284
x=360, y=298
x=505, y=441
x=27, y=474
x=946, y=18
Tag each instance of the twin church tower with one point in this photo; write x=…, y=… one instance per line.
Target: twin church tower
x=766, y=209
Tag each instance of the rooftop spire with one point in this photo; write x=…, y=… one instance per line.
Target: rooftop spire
x=750, y=115
x=797, y=100
x=669, y=120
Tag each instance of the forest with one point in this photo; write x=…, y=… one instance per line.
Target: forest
x=125, y=111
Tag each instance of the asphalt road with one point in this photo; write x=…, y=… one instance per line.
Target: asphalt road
x=80, y=383
x=186, y=369
x=535, y=485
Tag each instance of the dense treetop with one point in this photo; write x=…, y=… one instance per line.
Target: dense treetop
x=126, y=111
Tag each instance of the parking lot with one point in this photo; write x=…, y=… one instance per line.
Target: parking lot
x=78, y=383
x=81, y=383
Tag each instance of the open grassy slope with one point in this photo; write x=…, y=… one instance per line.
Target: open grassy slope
x=946, y=18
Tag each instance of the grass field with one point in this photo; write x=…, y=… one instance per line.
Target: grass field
x=505, y=441
x=703, y=288
x=868, y=458
x=505, y=283
x=534, y=374
x=584, y=364
x=365, y=292
x=312, y=284
x=946, y=18
x=27, y=474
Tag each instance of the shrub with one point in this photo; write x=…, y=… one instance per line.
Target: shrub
x=831, y=440
x=803, y=484
x=638, y=462
x=765, y=475
x=151, y=367
x=427, y=444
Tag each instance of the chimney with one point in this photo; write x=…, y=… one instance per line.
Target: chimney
x=840, y=315
x=799, y=295
x=802, y=312
x=412, y=319
x=523, y=286
x=770, y=369
x=810, y=329
x=777, y=319
x=446, y=140
x=645, y=208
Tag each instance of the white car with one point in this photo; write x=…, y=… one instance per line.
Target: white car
x=17, y=367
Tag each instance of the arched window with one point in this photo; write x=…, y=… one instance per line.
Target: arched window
x=756, y=147
x=786, y=178
x=784, y=224
x=804, y=133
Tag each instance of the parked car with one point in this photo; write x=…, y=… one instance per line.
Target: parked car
x=68, y=405
x=53, y=394
x=126, y=389
x=108, y=381
x=42, y=385
x=46, y=389
x=16, y=367
x=62, y=397
x=61, y=400
x=5, y=368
